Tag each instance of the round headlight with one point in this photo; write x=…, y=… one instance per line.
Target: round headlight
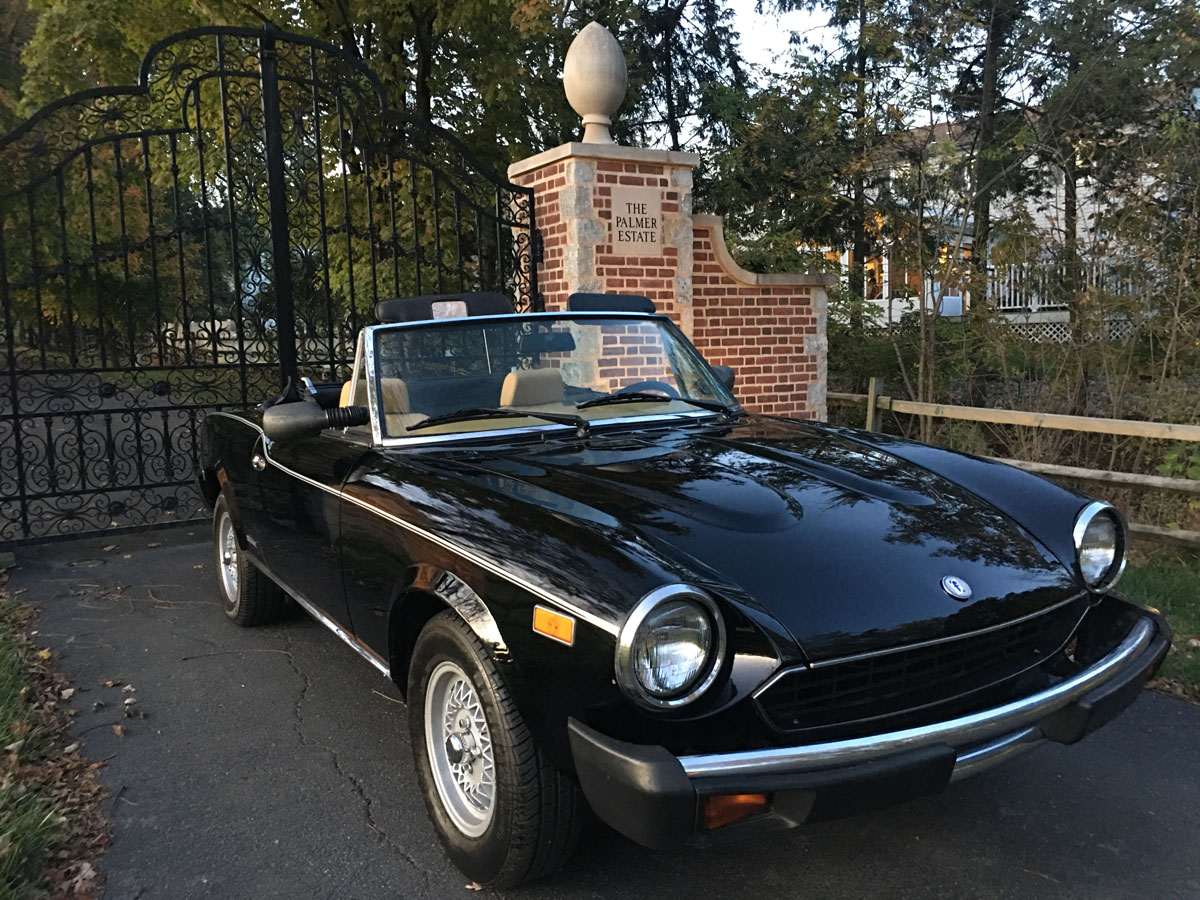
x=670, y=648
x=1100, y=545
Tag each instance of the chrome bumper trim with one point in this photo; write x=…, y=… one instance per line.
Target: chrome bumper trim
x=1014, y=723
x=977, y=759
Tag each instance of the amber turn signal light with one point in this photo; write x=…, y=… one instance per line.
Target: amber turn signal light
x=554, y=625
x=724, y=809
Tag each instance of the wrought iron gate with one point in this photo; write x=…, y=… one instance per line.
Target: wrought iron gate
x=176, y=246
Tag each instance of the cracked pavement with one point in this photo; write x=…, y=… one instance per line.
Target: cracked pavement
x=274, y=762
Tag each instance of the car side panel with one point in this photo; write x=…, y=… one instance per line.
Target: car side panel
x=299, y=518
x=230, y=440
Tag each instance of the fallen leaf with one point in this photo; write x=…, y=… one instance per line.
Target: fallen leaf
x=474, y=886
x=66, y=694
x=129, y=701
x=15, y=746
x=128, y=689
x=72, y=748
x=112, y=682
x=44, y=654
x=110, y=547
x=201, y=566
x=1194, y=643
x=86, y=875
x=128, y=556
x=154, y=545
x=119, y=730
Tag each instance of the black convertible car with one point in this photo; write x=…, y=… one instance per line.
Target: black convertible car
x=595, y=577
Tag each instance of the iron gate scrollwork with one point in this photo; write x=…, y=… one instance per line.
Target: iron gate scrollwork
x=177, y=246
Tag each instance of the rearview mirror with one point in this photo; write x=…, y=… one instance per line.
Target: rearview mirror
x=285, y=422
x=725, y=375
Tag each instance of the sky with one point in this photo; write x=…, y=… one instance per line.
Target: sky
x=764, y=37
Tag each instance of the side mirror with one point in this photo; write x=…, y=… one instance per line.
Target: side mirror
x=725, y=375
x=291, y=421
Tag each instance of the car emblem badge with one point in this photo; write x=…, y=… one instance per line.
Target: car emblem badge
x=956, y=587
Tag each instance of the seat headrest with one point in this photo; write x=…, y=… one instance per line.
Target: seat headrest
x=429, y=306
x=532, y=387
x=359, y=397
x=395, y=395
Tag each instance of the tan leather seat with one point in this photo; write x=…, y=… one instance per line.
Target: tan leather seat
x=532, y=387
x=360, y=396
x=395, y=395
x=397, y=412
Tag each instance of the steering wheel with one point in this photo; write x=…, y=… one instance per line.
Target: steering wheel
x=651, y=386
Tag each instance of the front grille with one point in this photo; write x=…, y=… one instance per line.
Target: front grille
x=902, y=681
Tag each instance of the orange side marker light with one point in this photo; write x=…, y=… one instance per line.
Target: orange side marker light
x=724, y=809
x=554, y=625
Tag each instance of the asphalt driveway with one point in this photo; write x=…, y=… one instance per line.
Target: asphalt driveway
x=275, y=763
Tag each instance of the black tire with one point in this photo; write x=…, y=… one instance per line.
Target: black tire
x=248, y=598
x=538, y=811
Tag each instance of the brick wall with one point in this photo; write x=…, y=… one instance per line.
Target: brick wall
x=770, y=328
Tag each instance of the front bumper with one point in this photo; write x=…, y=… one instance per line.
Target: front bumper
x=658, y=799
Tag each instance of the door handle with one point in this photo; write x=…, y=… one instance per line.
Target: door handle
x=258, y=462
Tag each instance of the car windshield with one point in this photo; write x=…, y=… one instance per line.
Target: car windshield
x=468, y=375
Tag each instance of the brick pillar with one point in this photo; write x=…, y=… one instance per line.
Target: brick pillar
x=573, y=194
x=770, y=328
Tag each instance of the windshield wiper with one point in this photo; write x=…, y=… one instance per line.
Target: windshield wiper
x=488, y=412
x=644, y=396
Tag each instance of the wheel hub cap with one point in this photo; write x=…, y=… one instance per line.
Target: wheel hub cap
x=227, y=550
x=460, y=749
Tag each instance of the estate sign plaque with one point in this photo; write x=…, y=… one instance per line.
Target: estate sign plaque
x=636, y=224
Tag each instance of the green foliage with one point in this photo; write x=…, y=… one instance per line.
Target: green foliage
x=28, y=826
x=1170, y=582
x=1181, y=461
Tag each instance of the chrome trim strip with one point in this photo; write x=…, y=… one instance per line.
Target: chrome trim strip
x=535, y=429
x=343, y=634
x=563, y=314
x=871, y=654
x=983, y=757
x=365, y=355
x=961, y=732
x=330, y=623
x=483, y=563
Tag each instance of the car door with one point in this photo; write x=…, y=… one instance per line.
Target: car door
x=299, y=513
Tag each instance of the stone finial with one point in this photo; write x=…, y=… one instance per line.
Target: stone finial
x=595, y=79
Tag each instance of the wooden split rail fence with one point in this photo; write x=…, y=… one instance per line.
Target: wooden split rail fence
x=874, y=401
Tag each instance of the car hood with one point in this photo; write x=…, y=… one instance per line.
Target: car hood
x=843, y=544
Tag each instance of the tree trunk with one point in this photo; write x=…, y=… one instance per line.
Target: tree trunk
x=985, y=163
x=424, y=41
x=1072, y=282
x=984, y=171
x=672, y=110
x=858, y=213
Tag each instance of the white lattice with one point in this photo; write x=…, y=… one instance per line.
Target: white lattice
x=1043, y=332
